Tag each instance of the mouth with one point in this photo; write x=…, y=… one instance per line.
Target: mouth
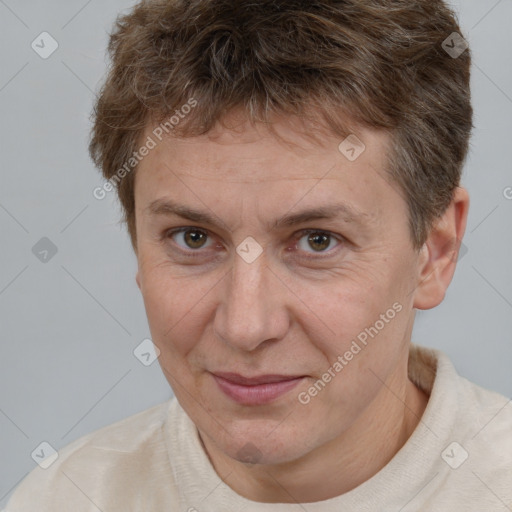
x=257, y=390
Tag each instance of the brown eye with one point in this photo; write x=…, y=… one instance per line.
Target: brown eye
x=192, y=238
x=316, y=242
x=319, y=241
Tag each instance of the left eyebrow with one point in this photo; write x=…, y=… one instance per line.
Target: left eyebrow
x=334, y=211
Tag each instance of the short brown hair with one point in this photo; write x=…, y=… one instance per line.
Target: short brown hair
x=380, y=62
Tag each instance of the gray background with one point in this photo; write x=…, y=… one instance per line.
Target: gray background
x=69, y=326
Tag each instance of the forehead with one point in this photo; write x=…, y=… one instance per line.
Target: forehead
x=245, y=152
x=231, y=178
x=248, y=169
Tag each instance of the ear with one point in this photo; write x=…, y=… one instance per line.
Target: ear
x=137, y=280
x=438, y=257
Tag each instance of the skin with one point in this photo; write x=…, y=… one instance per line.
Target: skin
x=294, y=309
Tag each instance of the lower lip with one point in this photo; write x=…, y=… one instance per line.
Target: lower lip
x=255, y=395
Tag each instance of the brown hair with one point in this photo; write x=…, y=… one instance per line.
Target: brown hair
x=379, y=62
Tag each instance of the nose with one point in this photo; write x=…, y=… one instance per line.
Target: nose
x=252, y=308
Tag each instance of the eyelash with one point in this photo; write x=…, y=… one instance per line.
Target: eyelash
x=194, y=253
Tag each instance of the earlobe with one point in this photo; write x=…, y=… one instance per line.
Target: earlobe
x=137, y=280
x=438, y=258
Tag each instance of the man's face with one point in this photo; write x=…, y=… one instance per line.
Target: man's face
x=216, y=305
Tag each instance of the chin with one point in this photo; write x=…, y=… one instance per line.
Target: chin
x=274, y=439
x=260, y=448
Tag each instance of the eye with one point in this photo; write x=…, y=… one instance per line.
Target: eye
x=319, y=241
x=193, y=238
x=310, y=241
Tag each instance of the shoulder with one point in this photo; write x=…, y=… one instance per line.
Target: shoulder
x=472, y=409
x=483, y=444
x=101, y=467
x=470, y=431
x=483, y=417
x=489, y=413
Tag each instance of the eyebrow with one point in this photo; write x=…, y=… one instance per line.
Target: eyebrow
x=166, y=207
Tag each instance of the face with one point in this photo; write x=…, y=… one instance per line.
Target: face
x=238, y=279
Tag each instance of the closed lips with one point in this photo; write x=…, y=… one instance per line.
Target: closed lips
x=255, y=381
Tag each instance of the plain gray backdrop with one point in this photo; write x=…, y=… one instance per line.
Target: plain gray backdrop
x=70, y=321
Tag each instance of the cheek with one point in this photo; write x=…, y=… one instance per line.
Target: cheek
x=335, y=312
x=352, y=377
x=173, y=308
x=358, y=327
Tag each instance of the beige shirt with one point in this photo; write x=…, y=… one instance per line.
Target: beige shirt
x=459, y=458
